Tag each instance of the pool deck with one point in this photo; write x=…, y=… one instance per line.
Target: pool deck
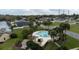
x=45, y=39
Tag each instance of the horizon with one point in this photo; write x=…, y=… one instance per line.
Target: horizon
x=38, y=11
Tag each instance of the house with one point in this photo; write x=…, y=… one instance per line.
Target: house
x=60, y=19
x=21, y=22
x=4, y=31
x=45, y=19
x=4, y=37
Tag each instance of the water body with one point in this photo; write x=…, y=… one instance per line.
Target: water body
x=4, y=25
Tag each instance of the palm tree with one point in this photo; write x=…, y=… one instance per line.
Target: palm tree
x=64, y=27
x=59, y=32
x=12, y=28
x=53, y=34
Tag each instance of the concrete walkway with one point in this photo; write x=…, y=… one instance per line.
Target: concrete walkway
x=75, y=48
x=73, y=34
x=57, y=44
x=24, y=43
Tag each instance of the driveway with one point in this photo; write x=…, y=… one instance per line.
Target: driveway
x=24, y=43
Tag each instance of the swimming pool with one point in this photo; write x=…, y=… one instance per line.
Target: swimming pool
x=42, y=33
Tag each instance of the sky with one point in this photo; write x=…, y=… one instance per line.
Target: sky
x=38, y=11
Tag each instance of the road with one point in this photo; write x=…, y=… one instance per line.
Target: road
x=73, y=34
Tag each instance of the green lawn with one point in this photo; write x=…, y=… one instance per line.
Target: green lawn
x=74, y=28
x=71, y=43
x=8, y=45
x=55, y=23
x=50, y=46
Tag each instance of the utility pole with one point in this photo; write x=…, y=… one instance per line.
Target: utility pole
x=68, y=12
x=59, y=11
x=68, y=15
x=63, y=11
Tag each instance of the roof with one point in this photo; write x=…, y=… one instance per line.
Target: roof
x=21, y=23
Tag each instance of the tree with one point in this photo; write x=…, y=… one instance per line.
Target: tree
x=75, y=16
x=64, y=27
x=52, y=33
x=12, y=28
x=47, y=23
x=13, y=35
x=38, y=23
x=32, y=18
x=26, y=32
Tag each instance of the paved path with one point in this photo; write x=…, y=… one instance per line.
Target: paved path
x=73, y=34
x=24, y=44
x=75, y=48
x=57, y=44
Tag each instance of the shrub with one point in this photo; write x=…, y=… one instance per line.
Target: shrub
x=34, y=46
x=26, y=32
x=13, y=35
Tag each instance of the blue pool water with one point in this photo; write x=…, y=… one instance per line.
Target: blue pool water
x=43, y=33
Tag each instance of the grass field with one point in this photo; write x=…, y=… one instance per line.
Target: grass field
x=55, y=23
x=71, y=43
x=75, y=28
x=50, y=46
